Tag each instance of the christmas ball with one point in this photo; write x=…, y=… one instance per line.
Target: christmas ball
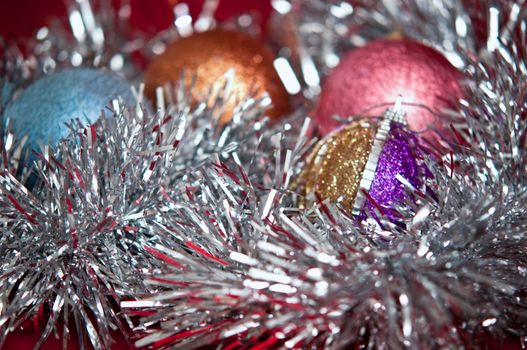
x=207, y=56
x=42, y=110
x=361, y=166
x=370, y=79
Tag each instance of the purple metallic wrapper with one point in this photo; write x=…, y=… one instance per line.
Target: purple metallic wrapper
x=397, y=159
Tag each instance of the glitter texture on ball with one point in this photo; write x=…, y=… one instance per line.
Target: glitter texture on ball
x=207, y=56
x=360, y=166
x=42, y=110
x=370, y=79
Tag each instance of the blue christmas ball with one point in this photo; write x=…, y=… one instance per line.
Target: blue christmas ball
x=44, y=108
x=5, y=91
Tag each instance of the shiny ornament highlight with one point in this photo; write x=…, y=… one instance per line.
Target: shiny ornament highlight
x=370, y=79
x=42, y=110
x=207, y=56
x=361, y=166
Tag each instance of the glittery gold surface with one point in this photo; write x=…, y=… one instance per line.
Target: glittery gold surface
x=335, y=167
x=208, y=56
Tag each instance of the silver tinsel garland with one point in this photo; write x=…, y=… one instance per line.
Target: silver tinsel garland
x=315, y=279
x=197, y=227
x=77, y=225
x=76, y=244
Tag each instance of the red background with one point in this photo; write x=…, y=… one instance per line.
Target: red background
x=20, y=18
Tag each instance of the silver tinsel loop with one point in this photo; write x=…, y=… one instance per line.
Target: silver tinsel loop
x=74, y=244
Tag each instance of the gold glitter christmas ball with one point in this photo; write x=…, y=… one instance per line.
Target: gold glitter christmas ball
x=208, y=56
x=366, y=166
x=335, y=166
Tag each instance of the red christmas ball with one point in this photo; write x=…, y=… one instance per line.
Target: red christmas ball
x=369, y=80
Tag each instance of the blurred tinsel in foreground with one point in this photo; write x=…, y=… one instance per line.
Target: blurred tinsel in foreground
x=188, y=218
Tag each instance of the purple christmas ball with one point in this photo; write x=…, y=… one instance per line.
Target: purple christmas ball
x=370, y=168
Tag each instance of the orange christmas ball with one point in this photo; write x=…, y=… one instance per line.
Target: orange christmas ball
x=208, y=56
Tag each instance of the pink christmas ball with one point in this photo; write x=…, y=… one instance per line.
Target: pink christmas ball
x=369, y=80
